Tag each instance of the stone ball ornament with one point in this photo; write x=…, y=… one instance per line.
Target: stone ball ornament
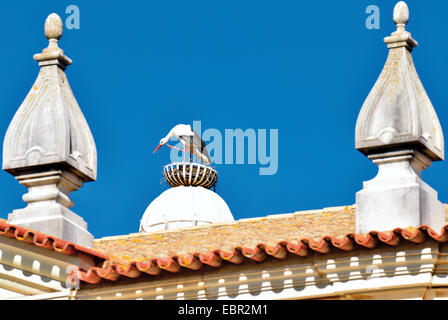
x=401, y=13
x=53, y=27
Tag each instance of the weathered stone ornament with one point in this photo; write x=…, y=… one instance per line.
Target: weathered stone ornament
x=49, y=148
x=398, y=129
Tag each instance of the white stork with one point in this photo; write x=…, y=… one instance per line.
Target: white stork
x=191, y=141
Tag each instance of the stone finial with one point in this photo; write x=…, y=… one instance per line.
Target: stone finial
x=401, y=14
x=49, y=148
x=53, y=27
x=401, y=37
x=53, y=54
x=398, y=129
x=397, y=111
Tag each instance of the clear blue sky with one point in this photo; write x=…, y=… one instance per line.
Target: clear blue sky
x=140, y=67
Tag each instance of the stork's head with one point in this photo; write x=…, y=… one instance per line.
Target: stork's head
x=161, y=143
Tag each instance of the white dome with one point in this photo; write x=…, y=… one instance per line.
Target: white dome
x=184, y=206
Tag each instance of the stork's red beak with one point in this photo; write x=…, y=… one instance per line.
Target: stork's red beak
x=157, y=148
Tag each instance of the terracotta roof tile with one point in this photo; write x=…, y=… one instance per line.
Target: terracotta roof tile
x=245, y=233
x=46, y=241
x=331, y=229
x=255, y=239
x=113, y=269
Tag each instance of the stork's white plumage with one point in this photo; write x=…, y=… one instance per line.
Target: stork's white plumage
x=191, y=141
